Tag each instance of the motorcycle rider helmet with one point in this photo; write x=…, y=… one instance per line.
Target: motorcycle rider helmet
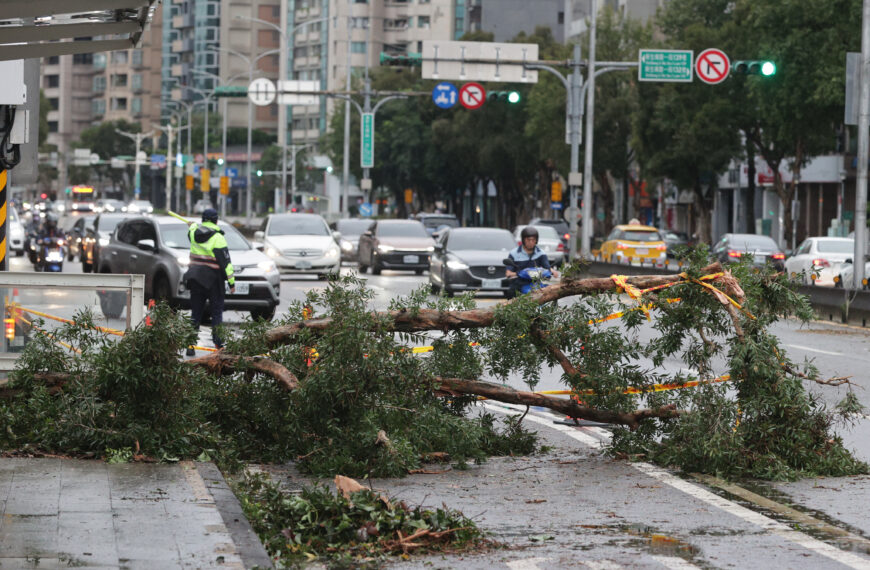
x=529, y=231
x=50, y=220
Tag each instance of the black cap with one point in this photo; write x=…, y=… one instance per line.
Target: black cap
x=210, y=215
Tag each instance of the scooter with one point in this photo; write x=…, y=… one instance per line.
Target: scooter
x=49, y=254
x=532, y=278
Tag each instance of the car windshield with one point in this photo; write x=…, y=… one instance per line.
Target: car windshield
x=175, y=235
x=752, y=243
x=109, y=223
x=297, y=226
x=437, y=221
x=489, y=241
x=546, y=232
x=836, y=246
x=641, y=235
x=352, y=227
x=412, y=229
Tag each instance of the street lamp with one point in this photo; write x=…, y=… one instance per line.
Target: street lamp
x=137, y=138
x=282, y=76
x=189, y=108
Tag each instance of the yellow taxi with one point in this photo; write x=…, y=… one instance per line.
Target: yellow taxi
x=634, y=243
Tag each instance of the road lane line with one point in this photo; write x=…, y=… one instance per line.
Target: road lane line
x=807, y=348
x=527, y=564
x=675, y=563
x=748, y=515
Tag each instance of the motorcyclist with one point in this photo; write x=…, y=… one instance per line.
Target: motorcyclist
x=526, y=255
x=49, y=227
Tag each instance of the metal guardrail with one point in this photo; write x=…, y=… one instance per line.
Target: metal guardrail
x=830, y=303
x=131, y=286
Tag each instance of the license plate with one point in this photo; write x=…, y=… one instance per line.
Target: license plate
x=641, y=251
x=303, y=265
x=490, y=283
x=411, y=259
x=242, y=288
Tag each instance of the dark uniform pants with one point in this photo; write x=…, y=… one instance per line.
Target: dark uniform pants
x=215, y=296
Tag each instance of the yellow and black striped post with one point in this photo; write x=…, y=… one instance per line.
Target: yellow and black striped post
x=3, y=178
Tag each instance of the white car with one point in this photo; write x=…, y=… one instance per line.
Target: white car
x=139, y=207
x=820, y=256
x=844, y=279
x=16, y=232
x=300, y=243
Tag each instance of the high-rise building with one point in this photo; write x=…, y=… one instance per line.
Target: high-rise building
x=507, y=18
x=66, y=82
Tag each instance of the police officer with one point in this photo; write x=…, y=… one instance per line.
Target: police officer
x=210, y=266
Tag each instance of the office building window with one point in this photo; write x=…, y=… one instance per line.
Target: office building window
x=137, y=57
x=53, y=103
x=136, y=105
x=136, y=81
x=53, y=60
x=119, y=57
x=423, y=21
x=98, y=106
x=52, y=80
x=83, y=59
x=119, y=80
x=357, y=47
x=99, y=83
x=119, y=103
x=52, y=126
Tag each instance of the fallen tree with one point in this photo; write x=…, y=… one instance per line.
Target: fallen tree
x=344, y=392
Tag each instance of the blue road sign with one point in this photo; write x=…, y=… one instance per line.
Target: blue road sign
x=445, y=95
x=232, y=172
x=556, y=205
x=365, y=209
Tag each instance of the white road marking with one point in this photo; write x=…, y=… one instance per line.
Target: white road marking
x=601, y=565
x=766, y=523
x=675, y=563
x=807, y=348
x=526, y=564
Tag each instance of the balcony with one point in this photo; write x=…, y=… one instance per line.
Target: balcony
x=182, y=21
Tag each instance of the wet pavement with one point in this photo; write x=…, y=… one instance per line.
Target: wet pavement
x=60, y=513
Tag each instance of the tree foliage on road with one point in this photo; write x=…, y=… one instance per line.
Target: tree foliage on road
x=342, y=392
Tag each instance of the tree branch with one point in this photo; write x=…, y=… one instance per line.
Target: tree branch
x=561, y=405
x=221, y=363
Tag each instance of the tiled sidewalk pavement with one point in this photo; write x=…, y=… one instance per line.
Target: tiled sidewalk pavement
x=60, y=513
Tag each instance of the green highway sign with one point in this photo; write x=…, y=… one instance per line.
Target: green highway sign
x=667, y=65
x=367, y=146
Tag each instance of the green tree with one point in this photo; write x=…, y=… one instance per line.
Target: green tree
x=104, y=140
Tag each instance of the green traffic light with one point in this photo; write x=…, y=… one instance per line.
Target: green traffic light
x=259, y=173
x=220, y=162
x=768, y=68
x=513, y=97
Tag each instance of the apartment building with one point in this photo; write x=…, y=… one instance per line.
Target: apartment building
x=66, y=81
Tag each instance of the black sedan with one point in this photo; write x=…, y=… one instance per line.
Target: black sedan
x=762, y=248
x=470, y=259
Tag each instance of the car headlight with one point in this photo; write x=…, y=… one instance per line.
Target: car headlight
x=333, y=251
x=346, y=245
x=104, y=241
x=430, y=249
x=267, y=266
x=456, y=265
x=183, y=259
x=385, y=248
x=272, y=252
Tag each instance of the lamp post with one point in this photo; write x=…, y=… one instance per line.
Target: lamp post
x=295, y=149
x=168, y=129
x=137, y=138
x=282, y=76
x=189, y=108
x=251, y=63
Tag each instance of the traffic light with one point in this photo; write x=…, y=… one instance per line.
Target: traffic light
x=512, y=97
x=220, y=161
x=259, y=173
x=409, y=59
x=763, y=67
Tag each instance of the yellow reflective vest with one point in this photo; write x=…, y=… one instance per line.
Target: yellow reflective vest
x=209, y=255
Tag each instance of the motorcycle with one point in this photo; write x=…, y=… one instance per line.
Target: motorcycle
x=49, y=254
x=531, y=278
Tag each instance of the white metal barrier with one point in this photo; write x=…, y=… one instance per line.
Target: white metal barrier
x=130, y=290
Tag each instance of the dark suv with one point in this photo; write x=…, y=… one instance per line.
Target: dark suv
x=561, y=226
x=434, y=221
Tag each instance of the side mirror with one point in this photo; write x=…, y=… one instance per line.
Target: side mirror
x=259, y=235
x=146, y=245
x=849, y=261
x=336, y=236
x=368, y=233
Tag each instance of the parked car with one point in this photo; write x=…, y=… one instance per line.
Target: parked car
x=109, y=205
x=158, y=247
x=434, y=222
x=202, y=205
x=471, y=259
x=762, y=248
x=300, y=243
x=76, y=231
x=395, y=244
x=548, y=240
x=97, y=236
x=139, y=207
x=561, y=226
x=350, y=230
x=16, y=232
x=820, y=256
x=633, y=242
x=674, y=241
x=847, y=270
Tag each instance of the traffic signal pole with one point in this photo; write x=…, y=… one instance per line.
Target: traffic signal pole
x=863, y=140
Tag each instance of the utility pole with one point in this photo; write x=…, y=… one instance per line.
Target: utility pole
x=137, y=138
x=345, y=159
x=863, y=136
x=586, y=245
x=221, y=198
x=170, y=161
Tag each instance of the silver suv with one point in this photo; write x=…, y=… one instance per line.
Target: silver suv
x=158, y=247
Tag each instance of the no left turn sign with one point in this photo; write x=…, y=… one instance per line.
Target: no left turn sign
x=712, y=66
x=472, y=95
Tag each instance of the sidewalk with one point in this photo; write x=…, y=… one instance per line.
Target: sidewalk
x=60, y=513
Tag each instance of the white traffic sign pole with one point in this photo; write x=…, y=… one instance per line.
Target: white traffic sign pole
x=586, y=245
x=863, y=140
